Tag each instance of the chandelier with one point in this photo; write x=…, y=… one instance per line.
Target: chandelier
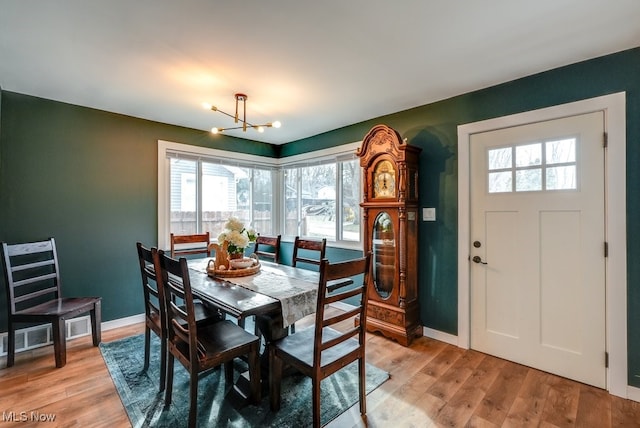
x=240, y=98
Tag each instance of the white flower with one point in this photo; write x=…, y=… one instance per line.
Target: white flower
x=236, y=235
x=252, y=234
x=239, y=239
x=234, y=224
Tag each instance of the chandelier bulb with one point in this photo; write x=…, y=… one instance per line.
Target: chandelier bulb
x=214, y=130
x=260, y=129
x=276, y=124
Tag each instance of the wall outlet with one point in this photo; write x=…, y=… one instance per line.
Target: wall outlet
x=428, y=214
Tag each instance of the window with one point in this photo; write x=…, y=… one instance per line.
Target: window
x=313, y=194
x=200, y=188
x=548, y=165
x=204, y=195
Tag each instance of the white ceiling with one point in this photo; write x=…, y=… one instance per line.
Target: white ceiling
x=313, y=65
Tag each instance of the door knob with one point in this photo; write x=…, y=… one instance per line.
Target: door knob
x=478, y=259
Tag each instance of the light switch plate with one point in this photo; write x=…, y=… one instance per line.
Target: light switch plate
x=428, y=214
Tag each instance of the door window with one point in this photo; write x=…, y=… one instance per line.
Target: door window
x=533, y=167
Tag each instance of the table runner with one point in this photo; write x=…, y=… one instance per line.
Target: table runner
x=297, y=297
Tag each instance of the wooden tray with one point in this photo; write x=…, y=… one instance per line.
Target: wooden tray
x=231, y=273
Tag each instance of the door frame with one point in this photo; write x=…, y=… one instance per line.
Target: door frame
x=614, y=107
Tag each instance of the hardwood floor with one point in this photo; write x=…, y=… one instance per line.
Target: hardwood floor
x=433, y=384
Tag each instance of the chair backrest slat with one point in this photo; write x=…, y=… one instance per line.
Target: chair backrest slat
x=34, y=279
x=339, y=339
x=341, y=317
x=34, y=265
x=30, y=248
x=342, y=273
x=30, y=296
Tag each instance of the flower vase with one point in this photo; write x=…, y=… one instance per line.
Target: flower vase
x=236, y=256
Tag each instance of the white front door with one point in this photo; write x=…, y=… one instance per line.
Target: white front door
x=537, y=229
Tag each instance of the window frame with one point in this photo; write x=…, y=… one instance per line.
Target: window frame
x=335, y=154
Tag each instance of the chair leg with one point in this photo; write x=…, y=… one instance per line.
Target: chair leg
x=163, y=363
x=147, y=346
x=254, y=373
x=11, y=344
x=169, y=388
x=193, y=400
x=228, y=371
x=315, y=396
x=59, y=342
x=275, y=378
x=96, y=323
x=362, y=386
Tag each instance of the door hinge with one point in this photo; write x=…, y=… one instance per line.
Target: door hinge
x=606, y=249
x=606, y=360
x=605, y=139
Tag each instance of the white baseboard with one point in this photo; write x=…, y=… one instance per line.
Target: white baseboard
x=122, y=322
x=440, y=335
x=633, y=393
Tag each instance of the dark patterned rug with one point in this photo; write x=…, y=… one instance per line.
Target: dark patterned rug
x=218, y=404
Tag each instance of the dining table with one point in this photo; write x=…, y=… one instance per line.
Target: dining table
x=277, y=295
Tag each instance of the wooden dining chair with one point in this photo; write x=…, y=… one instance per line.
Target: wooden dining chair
x=201, y=347
x=34, y=295
x=308, y=247
x=155, y=310
x=182, y=245
x=321, y=350
x=268, y=247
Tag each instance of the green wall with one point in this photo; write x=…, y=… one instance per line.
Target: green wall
x=433, y=127
x=88, y=178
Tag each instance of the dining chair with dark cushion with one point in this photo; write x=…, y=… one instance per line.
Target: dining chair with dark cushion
x=34, y=295
x=268, y=247
x=201, y=347
x=322, y=350
x=182, y=245
x=155, y=310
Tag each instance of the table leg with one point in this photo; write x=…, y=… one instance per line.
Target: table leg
x=270, y=329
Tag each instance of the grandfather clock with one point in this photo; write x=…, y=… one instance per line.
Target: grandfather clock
x=390, y=210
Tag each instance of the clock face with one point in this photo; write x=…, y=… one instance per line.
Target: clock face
x=384, y=180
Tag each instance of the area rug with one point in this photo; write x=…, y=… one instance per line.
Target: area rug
x=218, y=403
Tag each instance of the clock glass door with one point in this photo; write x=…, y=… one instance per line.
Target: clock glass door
x=384, y=254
